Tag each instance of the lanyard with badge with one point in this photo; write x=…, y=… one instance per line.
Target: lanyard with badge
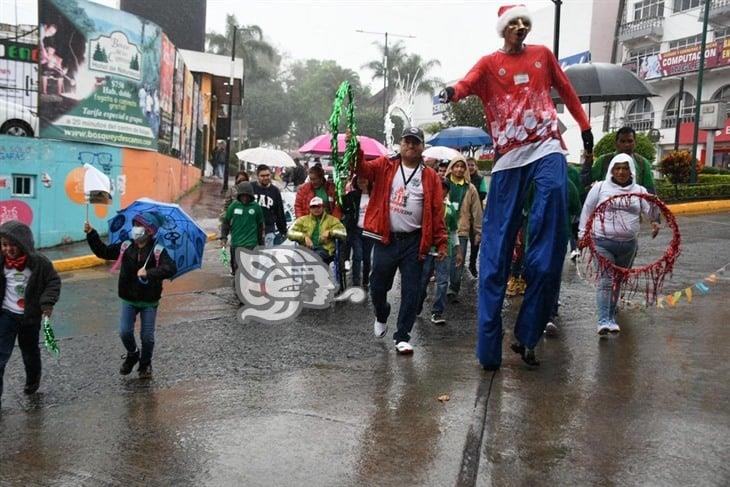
x=403, y=174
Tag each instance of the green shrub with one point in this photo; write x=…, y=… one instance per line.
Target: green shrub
x=607, y=145
x=670, y=193
x=676, y=166
x=715, y=170
x=706, y=178
x=485, y=165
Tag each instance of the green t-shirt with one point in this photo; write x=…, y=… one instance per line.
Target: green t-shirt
x=644, y=175
x=457, y=192
x=245, y=222
x=322, y=193
x=315, y=231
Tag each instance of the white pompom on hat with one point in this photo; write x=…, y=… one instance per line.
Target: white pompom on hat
x=508, y=13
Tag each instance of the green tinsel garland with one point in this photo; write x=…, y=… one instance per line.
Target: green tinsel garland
x=342, y=166
x=49, y=339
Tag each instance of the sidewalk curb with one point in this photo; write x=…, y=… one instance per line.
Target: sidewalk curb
x=87, y=261
x=713, y=206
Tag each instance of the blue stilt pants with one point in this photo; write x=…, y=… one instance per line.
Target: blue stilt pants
x=543, y=260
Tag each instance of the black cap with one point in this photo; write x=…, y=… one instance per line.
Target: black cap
x=413, y=132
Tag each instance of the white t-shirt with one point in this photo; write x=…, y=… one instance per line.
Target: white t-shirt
x=15, y=284
x=364, y=199
x=406, y=200
x=527, y=154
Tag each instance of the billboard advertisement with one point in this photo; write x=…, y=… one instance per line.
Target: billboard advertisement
x=167, y=71
x=177, y=103
x=100, y=75
x=682, y=60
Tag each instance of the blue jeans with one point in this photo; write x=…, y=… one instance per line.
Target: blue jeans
x=622, y=254
x=457, y=272
x=147, y=318
x=11, y=325
x=269, y=240
x=362, y=250
x=543, y=260
x=441, y=271
x=400, y=255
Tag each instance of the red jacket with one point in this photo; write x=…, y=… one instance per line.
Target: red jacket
x=381, y=172
x=305, y=193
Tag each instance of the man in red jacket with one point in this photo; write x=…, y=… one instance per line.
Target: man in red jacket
x=514, y=85
x=317, y=186
x=406, y=217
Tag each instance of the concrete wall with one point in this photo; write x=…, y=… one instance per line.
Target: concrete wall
x=56, y=210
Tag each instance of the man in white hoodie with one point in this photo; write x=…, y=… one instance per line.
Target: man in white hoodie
x=616, y=233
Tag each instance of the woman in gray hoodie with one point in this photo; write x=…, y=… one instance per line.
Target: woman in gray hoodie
x=616, y=233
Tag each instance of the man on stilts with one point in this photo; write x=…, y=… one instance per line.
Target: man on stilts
x=514, y=85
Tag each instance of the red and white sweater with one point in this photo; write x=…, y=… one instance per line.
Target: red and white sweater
x=515, y=91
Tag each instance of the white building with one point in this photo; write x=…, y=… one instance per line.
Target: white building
x=660, y=41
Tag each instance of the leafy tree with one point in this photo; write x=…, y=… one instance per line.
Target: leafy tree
x=406, y=66
x=260, y=58
x=311, y=86
x=468, y=111
x=267, y=112
x=370, y=122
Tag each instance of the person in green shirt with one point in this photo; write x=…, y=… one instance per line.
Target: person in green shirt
x=244, y=221
x=625, y=144
x=442, y=269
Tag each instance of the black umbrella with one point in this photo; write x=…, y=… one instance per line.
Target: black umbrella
x=601, y=82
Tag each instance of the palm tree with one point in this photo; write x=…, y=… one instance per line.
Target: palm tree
x=406, y=66
x=260, y=58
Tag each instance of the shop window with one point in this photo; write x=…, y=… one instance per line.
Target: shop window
x=686, y=112
x=23, y=185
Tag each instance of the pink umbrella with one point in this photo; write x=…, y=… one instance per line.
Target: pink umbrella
x=321, y=145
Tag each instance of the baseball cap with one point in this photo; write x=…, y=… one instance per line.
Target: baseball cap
x=316, y=201
x=413, y=132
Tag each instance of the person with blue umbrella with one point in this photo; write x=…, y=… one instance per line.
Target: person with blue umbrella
x=143, y=263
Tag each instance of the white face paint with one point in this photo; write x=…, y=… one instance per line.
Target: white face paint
x=137, y=233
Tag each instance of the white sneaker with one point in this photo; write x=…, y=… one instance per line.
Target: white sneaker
x=404, y=348
x=574, y=255
x=551, y=329
x=613, y=327
x=380, y=329
x=603, y=329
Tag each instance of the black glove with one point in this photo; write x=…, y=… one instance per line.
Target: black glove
x=446, y=94
x=587, y=137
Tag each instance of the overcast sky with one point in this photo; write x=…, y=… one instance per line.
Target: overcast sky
x=454, y=32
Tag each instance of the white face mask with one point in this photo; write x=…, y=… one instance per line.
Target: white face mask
x=137, y=233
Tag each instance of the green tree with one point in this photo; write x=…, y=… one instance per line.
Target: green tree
x=407, y=67
x=370, y=123
x=266, y=110
x=261, y=60
x=468, y=111
x=607, y=145
x=311, y=86
x=98, y=55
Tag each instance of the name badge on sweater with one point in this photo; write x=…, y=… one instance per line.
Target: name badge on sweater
x=238, y=211
x=521, y=79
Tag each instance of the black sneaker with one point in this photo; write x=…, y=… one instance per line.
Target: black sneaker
x=473, y=270
x=145, y=371
x=527, y=354
x=438, y=319
x=130, y=360
x=32, y=385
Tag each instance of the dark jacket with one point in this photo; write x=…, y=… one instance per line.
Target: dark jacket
x=130, y=288
x=476, y=179
x=351, y=210
x=269, y=199
x=44, y=285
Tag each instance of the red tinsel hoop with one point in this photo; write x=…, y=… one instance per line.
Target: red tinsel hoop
x=629, y=279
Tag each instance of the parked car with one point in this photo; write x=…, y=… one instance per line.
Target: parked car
x=17, y=120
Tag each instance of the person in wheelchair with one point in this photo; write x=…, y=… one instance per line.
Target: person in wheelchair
x=318, y=230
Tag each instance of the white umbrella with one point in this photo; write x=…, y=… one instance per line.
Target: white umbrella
x=270, y=157
x=441, y=153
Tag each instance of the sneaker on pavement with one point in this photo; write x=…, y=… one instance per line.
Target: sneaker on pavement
x=144, y=371
x=404, y=348
x=380, y=329
x=603, y=329
x=130, y=360
x=438, y=319
x=551, y=329
x=32, y=384
x=613, y=327
x=574, y=255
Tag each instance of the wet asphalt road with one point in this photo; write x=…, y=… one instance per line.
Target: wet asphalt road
x=321, y=402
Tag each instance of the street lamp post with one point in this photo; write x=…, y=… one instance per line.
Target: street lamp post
x=556, y=27
x=386, y=66
x=698, y=103
x=230, y=110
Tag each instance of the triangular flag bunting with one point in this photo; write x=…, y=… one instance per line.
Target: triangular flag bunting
x=688, y=292
x=670, y=300
x=712, y=278
x=660, y=302
x=702, y=288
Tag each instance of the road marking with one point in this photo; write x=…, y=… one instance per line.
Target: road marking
x=474, y=436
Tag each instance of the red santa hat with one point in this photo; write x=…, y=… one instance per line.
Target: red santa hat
x=507, y=13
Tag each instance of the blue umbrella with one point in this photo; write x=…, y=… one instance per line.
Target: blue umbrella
x=461, y=137
x=183, y=239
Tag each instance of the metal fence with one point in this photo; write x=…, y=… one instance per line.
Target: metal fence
x=19, y=62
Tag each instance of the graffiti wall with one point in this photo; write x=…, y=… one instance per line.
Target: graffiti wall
x=41, y=184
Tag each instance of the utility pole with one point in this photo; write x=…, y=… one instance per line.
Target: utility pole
x=698, y=104
x=556, y=27
x=386, y=65
x=678, y=118
x=230, y=110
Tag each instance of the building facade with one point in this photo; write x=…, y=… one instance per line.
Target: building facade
x=660, y=41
